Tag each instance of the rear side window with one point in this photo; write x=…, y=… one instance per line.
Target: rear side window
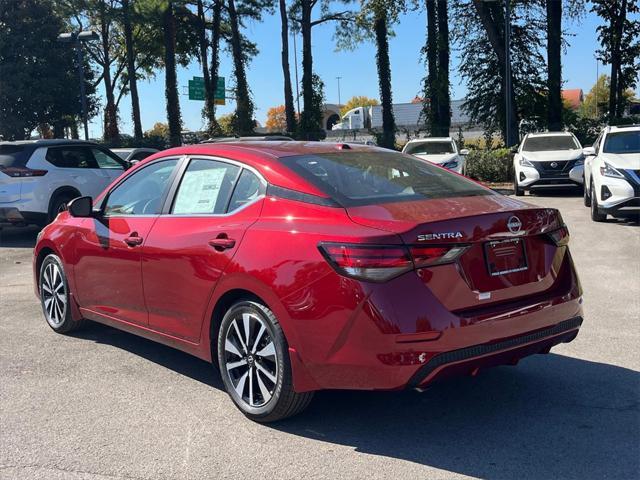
x=104, y=160
x=248, y=188
x=205, y=188
x=13, y=156
x=366, y=178
x=71, y=157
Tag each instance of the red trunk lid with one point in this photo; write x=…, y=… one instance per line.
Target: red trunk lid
x=488, y=272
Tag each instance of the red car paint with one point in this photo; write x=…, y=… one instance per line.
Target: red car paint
x=342, y=332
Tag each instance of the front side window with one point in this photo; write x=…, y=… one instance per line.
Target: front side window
x=205, y=188
x=550, y=143
x=622, y=142
x=143, y=192
x=104, y=160
x=71, y=157
x=430, y=148
x=367, y=178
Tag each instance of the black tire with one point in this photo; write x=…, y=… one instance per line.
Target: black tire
x=279, y=400
x=596, y=215
x=516, y=188
x=54, y=296
x=586, y=199
x=58, y=204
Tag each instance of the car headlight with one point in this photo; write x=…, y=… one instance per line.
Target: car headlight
x=451, y=164
x=607, y=170
x=526, y=163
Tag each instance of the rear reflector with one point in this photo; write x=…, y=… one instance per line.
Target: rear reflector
x=378, y=263
x=16, y=172
x=560, y=236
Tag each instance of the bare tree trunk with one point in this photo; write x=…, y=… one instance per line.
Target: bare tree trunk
x=131, y=70
x=308, y=120
x=616, y=103
x=111, y=133
x=171, y=83
x=289, y=110
x=214, y=128
x=384, y=80
x=244, y=124
x=444, y=98
x=431, y=91
x=554, y=65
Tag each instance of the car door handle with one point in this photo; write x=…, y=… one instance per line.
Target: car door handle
x=133, y=240
x=222, y=243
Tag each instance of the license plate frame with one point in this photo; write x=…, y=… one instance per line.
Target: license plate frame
x=498, y=252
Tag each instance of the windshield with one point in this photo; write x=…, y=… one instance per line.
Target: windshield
x=622, y=142
x=430, y=148
x=550, y=143
x=367, y=178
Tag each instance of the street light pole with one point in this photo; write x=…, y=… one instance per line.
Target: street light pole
x=75, y=39
x=339, y=99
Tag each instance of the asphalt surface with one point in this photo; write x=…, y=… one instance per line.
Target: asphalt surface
x=103, y=404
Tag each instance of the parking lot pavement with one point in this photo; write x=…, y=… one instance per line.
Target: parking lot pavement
x=103, y=404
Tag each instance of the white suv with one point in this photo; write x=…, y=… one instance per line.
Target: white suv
x=548, y=160
x=442, y=151
x=38, y=178
x=612, y=173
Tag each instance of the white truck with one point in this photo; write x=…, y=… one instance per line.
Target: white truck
x=407, y=115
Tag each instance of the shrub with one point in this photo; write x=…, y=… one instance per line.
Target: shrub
x=490, y=165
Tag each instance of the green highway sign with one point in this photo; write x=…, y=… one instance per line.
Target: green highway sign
x=197, y=91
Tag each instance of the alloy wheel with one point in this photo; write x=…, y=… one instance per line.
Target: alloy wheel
x=54, y=295
x=250, y=360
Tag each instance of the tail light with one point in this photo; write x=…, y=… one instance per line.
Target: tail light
x=378, y=263
x=560, y=236
x=16, y=172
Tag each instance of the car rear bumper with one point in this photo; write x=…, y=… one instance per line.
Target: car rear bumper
x=470, y=359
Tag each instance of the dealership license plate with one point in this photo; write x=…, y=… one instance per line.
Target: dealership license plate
x=505, y=256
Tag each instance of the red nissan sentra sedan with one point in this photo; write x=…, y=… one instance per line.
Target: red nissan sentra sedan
x=303, y=266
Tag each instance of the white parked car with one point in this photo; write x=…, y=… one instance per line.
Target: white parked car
x=134, y=155
x=442, y=151
x=38, y=178
x=548, y=160
x=612, y=173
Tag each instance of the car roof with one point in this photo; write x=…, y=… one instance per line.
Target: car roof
x=266, y=138
x=49, y=142
x=550, y=134
x=264, y=156
x=431, y=139
x=613, y=128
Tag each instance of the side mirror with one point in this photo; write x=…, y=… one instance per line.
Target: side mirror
x=588, y=151
x=514, y=149
x=464, y=151
x=81, y=207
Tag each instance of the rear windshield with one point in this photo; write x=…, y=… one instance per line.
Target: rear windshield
x=367, y=178
x=13, y=156
x=622, y=142
x=430, y=148
x=546, y=144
